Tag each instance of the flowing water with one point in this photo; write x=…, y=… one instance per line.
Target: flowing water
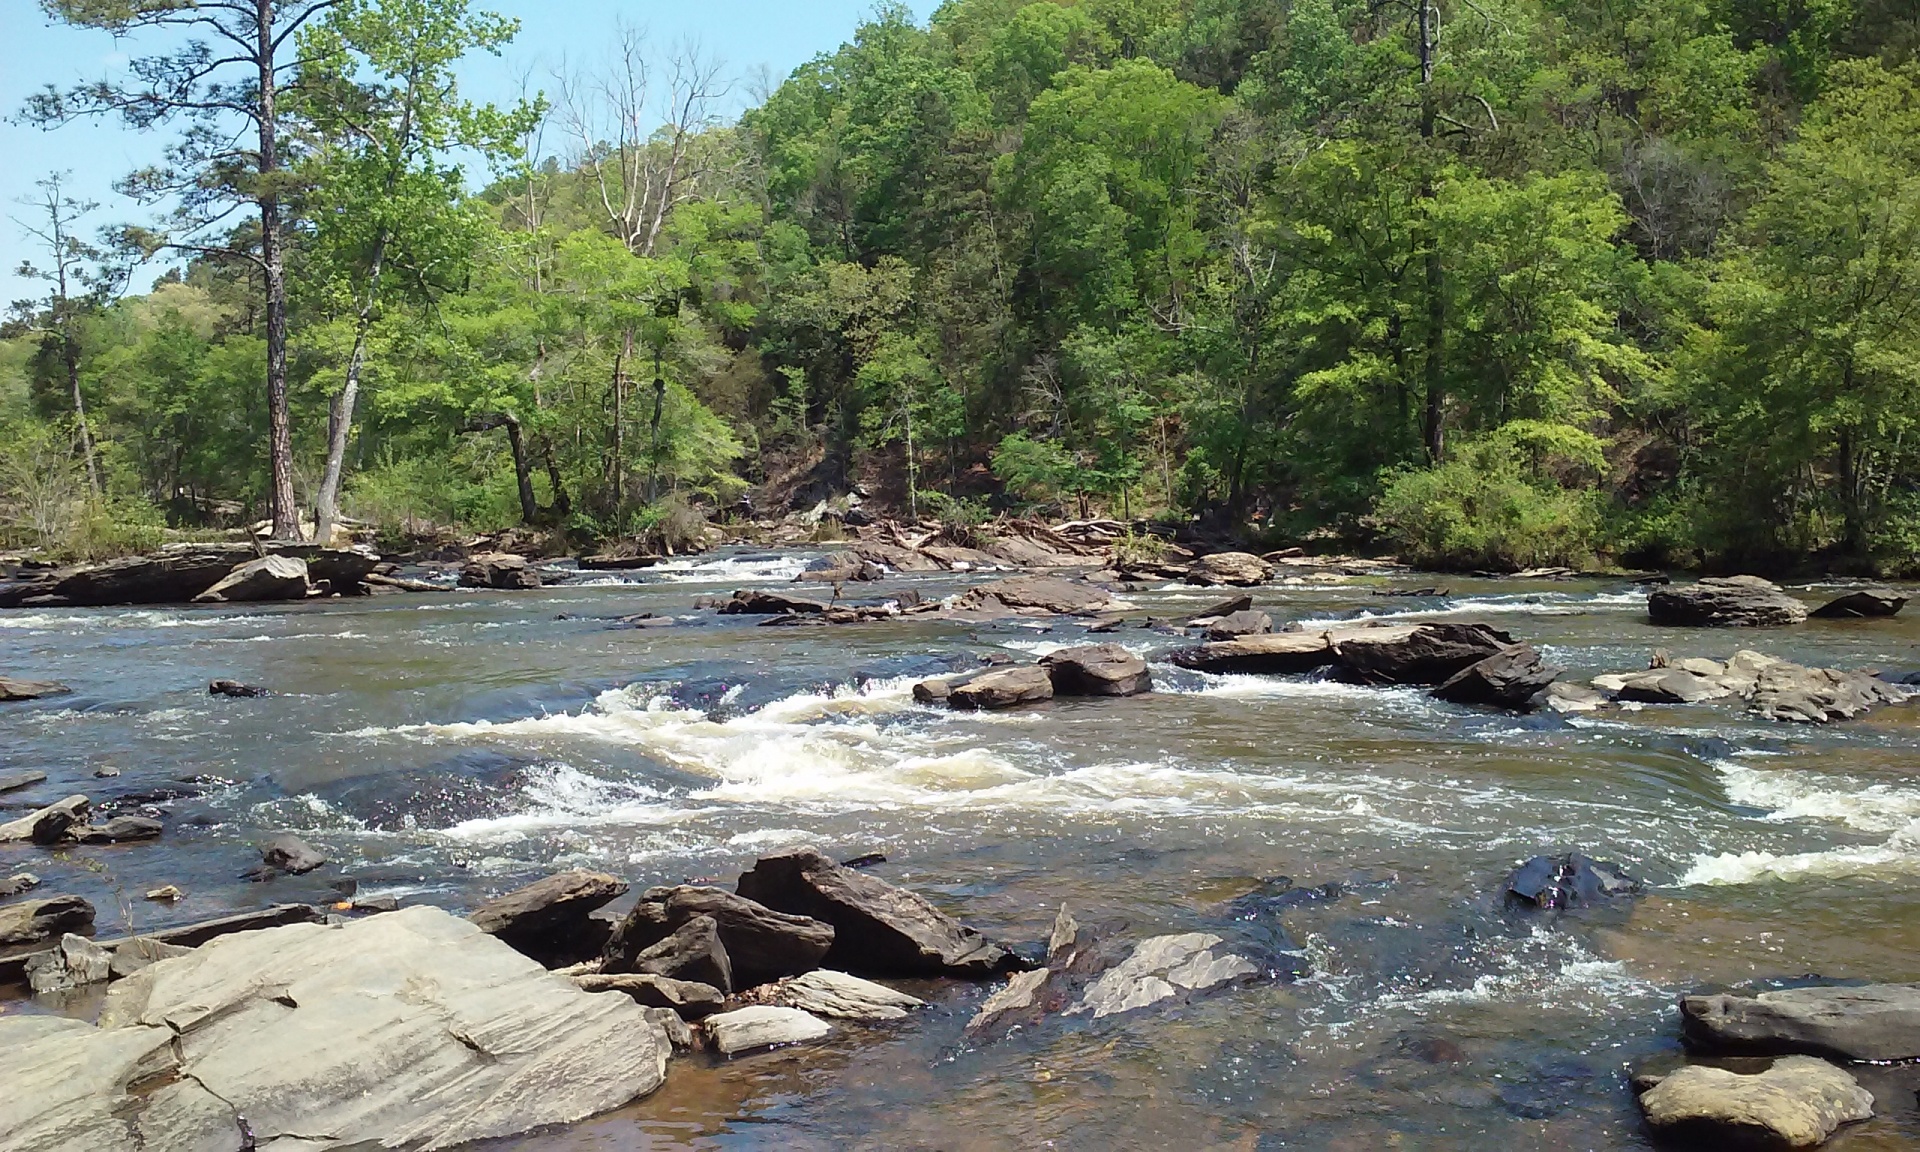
x=445, y=747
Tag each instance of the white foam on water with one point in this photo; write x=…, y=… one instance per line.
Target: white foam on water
x=1793, y=795
x=1525, y=604
x=697, y=571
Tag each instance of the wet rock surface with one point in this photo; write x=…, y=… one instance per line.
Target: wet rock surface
x=761, y=944
x=1870, y=1022
x=762, y=1026
x=1867, y=603
x=549, y=918
x=1235, y=569
x=1743, y=601
x=1510, y=678
x=1570, y=881
x=1002, y=688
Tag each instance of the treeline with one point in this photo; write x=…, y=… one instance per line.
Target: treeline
x=1492, y=283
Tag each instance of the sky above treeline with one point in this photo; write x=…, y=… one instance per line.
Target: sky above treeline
x=752, y=37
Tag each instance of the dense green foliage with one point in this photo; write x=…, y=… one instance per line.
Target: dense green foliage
x=1496, y=284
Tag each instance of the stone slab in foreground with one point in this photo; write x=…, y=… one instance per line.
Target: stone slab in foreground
x=413, y=1030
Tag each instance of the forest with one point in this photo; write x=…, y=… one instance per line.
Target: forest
x=1489, y=284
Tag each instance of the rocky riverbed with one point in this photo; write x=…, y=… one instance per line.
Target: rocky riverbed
x=1289, y=919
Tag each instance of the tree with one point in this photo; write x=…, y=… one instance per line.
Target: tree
x=377, y=95
x=72, y=265
x=229, y=70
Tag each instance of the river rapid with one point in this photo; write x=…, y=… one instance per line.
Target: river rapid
x=445, y=747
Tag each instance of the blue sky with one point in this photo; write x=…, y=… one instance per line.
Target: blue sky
x=777, y=35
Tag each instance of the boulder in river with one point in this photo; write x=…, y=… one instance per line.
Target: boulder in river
x=761, y=944
x=503, y=570
x=1871, y=1022
x=288, y=853
x=1797, y=1103
x=692, y=952
x=763, y=1026
x=1035, y=594
x=1790, y=692
x=1746, y=601
x=49, y=825
x=268, y=578
x=689, y=999
x=1281, y=652
x=1510, y=678
x=836, y=994
x=32, y=921
x=755, y=603
x=235, y=689
x=1429, y=654
x=839, y=568
x=119, y=830
x=1570, y=881
x=1235, y=569
x=549, y=919
x=11, y=689
x=1234, y=625
x=1097, y=670
x=1002, y=688
x=879, y=929
x=1867, y=602
x=1161, y=968
x=74, y=963
x=412, y=1030
x=1666, y=686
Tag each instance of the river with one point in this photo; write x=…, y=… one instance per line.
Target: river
x=445, y=747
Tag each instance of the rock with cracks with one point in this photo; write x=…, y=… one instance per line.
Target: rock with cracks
x=1234, y=569
x=268, y=578
x=1097, y=670
x=838, y=995
x=761, y=944
x=502, y=570
x=1746, y=601
x=693, y=952
x=1510, y=678
x=1428, y=654
x=1797, y=1103
x=413, y=1030
x=879, y=929
x=1161, y=968
x=763, y=1026
x=1873, y=1022
x=49, y=825
x=1047, y=594
x=1002, y=688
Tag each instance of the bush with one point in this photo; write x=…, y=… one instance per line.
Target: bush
x=45, y=503
x=1483, y=509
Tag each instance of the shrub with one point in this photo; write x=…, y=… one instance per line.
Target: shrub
x=1484, y=509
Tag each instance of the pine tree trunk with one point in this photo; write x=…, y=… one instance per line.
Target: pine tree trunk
x=286, y=513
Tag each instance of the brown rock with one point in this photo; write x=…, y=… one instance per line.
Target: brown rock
x=1035, y=594
x=1281, y=652
x=549, y=918
x=692, y=953
x=1237, y=624
x=687, y=998
x=761, y=944
x=1428, y=654
x=1718, y=601
x=49, y=825
x=11, y=690
x=1509, y=678
x=1239, y=569
x=502, y=570
x=1097, y=670
x=1867, y=602
x=31, y=921
x=1003, y=688
x=268, y=578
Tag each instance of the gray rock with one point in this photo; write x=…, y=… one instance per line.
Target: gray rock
x=1797, y=1103
x=672, y=1026
x=1237, y=624
x=74, y=963
x=761, y=944
x=693, y=952
x=233, y=689
x=1003, y=688
x=1159, y=969
x=1221, y=610
x=408, y=1031
x=34, y=920
x=1570, y=881
x=501, y=570
x=840, y=568
x=1867, y=602
x=549, y=918
x=11, y=690
x=879, y=929
x=130, y=956
x=14, y=781
x=268, y=578
x=771, y=604
x=18, y=883
x=1097, y=670
x=1019, y=994
x=1510, y=678
x=1874, y=1022
x=1049, y=594
x=1282, y=653
x=763, y=1026
x=1790, y=692
x=119, y=830
x=1671, y=686
x=49, y=825
x=288, y=853
x=689, y=998
x=1746, y=601
x=1568, y=699
x=1237, y=569
x=836, y=994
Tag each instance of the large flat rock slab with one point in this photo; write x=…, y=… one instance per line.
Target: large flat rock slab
x=411, y=1030
x=1873, y=1022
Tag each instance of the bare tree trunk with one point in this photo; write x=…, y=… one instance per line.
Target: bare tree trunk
x=326, y=508
x=1433, y=433
x=286, y=513
x=653, y=431
x=70, y=352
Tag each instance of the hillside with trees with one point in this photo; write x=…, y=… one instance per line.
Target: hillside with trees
x=1486, y=283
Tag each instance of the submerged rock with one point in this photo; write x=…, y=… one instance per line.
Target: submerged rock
x=1873, y=1022
x=502, y=570
x=1097, y=670
x=1570, y=881
x=268, y=578
x=549, y=918
x=761, y=944
x=413, y=1030
x=11, y=690
x=1234, y=625
x=836, y=994
x=1746, y=601
x=49, y=825
x=879, y=929
x=1867, y=602
x=235, y=690
x=1510, y=678
x=1161, y=968
x=288, y=853
x=1797, y=1103
x=763, y=1026
x=1235, y=569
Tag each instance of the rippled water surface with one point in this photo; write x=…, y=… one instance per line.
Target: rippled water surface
x=445, y=747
